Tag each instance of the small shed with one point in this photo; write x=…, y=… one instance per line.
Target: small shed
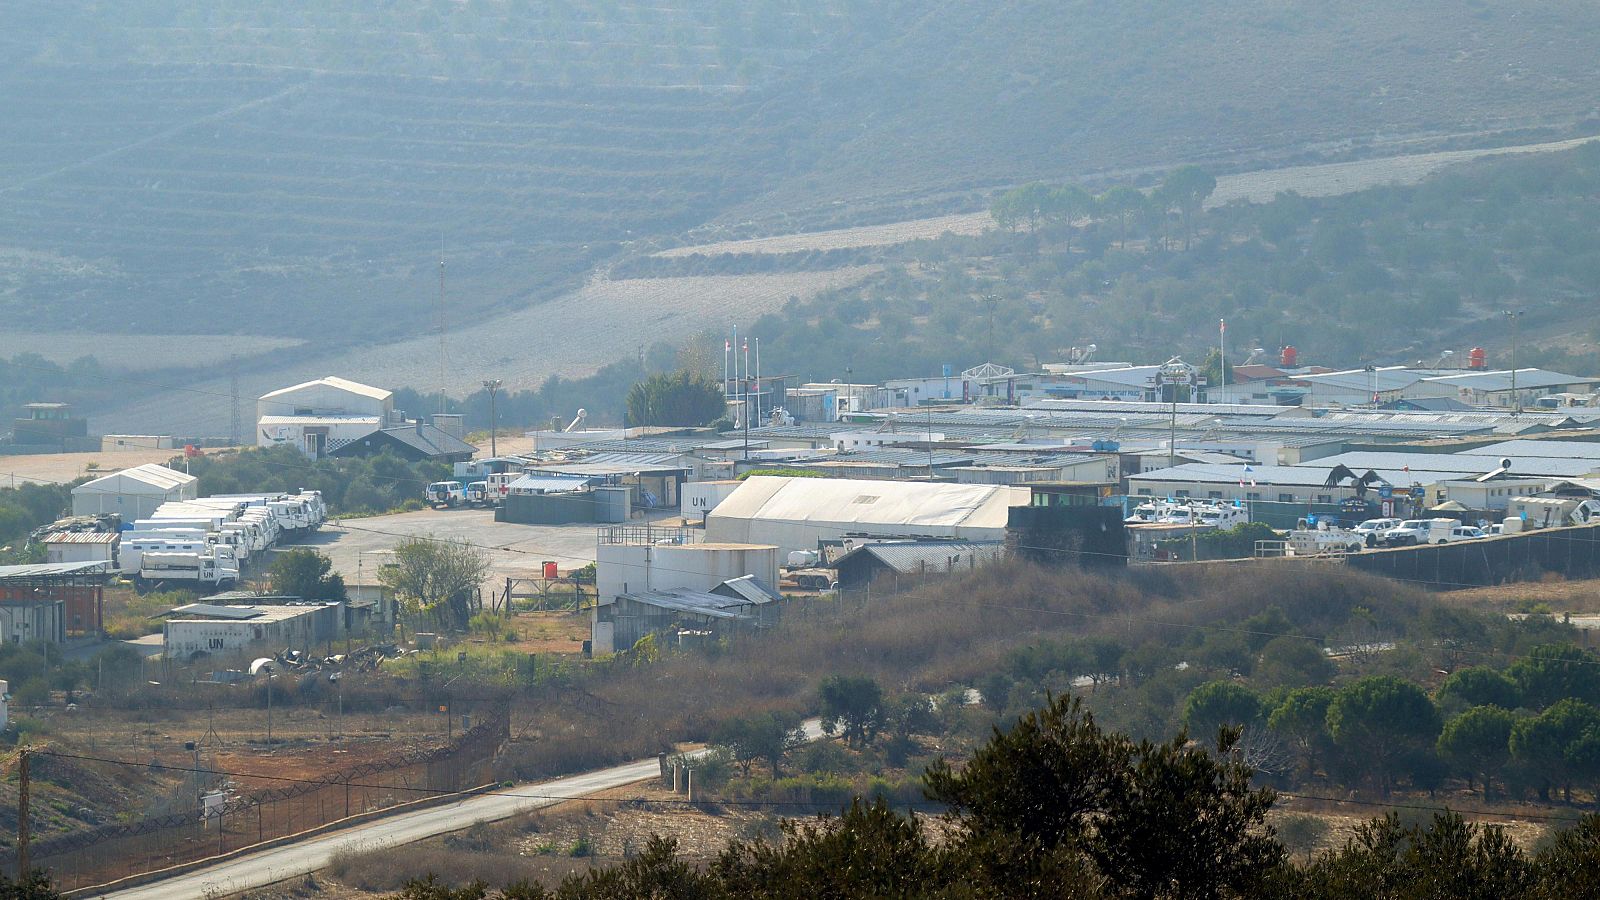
x=913, y=559
x=133, y=493
x=81, y=546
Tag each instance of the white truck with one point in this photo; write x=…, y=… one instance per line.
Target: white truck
x=1412, y=532
x=1465, y=533
x=1372, y=530
x=445, y=494
x=198, y=568
x=1322, y=541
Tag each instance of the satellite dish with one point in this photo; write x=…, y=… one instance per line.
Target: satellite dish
x=1505, y=463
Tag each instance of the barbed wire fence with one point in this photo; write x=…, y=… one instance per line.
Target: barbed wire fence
x=257, y=809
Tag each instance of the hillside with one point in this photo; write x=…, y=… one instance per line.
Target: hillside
x=241, y=166
x=291, y=172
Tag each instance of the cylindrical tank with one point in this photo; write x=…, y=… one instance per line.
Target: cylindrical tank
x=551, y=572
x=1289, y=356
x=1477, y=358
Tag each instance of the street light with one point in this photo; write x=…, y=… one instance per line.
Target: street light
x=492, y=385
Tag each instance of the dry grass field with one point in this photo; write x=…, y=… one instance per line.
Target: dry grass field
x=572, y=335
x=1324, y=180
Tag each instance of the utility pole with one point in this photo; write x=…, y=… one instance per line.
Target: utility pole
x=441, y=326
x=235, y=432
x=269, y=711
x=492, y=385
x=1516, y=402
x=22, y=817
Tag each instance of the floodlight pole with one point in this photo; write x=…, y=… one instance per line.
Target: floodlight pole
x=492, y=385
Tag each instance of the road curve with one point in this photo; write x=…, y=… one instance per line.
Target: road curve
x=302, y=857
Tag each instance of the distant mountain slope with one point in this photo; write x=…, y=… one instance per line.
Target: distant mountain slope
x=284, y=168
x=972, y=95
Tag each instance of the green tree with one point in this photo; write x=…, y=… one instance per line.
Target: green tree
x=1121, y=202
x=768, y=737
x=1447, y=858
x=1543, y=743
x=437, y=579
x=1156, y=820
x=853, y=707
x=1066, y=205
x=1555, y=672
x=1383, y=720
x=1294, y=662
x=1478, y=742
x=33, y=886
x=1188, y=188
x=679, y=398
x=1218, y=704
x=1302, y=718
x=1480, y=686
x=303, y=572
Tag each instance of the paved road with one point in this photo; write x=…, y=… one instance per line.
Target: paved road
x=300, y=858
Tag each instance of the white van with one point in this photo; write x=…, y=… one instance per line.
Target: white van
x=1412, y=532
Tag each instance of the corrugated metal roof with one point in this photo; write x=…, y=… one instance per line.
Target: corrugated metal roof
x=44, y=570
x=547, y=484
x=615, y=464
x=213, y=611
x=81, y=537
x=1456, y=462
x=697, y=603
x=334, y=381
x=1500, y=380
x=430, y=440
x=156, y=476
x=912, y=557
x=1556, y=449
x=752, y=589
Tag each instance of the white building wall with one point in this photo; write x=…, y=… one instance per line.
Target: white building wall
x=625, y=568
x=185, y=637
x=700, y=497
x=71, y=553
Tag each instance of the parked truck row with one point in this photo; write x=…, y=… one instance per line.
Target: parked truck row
x=210, y=541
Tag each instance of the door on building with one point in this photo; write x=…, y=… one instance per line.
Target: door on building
x=316, y=442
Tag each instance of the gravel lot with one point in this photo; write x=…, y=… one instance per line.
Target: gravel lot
x=513, y=550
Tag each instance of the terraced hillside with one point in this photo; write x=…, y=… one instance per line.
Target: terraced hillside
x=283, y=169
x=247, y=167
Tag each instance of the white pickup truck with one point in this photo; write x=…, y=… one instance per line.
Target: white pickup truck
x=1412, y=532
x=1372, y=530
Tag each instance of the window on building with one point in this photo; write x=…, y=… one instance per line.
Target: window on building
x=1215, y=495
x=1253, y=495
x=1324, y=498
x=1285, y=498
x=1144, y=492
x=1181, y=493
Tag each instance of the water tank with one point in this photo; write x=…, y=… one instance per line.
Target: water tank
x=1289, y=356
x=1477, y=358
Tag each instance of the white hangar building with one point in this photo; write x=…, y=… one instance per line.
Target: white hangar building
x=323, y=415
x=795, y=513
x=135, y=492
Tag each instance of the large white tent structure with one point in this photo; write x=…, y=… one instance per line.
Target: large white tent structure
x=135, y=492
x=795, y=513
